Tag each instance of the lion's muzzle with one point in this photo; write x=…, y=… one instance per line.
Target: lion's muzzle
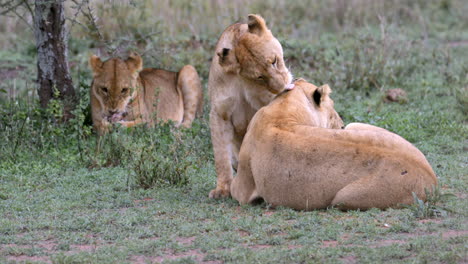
x=115, y=116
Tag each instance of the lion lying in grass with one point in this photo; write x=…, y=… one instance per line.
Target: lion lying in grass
x=294, y=155
x=123, y=93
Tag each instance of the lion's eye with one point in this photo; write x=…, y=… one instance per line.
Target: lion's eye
x=104, y=89
x=124, y=90
x=261, y=78
x=274, y=62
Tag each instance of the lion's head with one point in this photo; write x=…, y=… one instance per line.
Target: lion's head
x=115, y=84
x=257, y=57
x=309, y=105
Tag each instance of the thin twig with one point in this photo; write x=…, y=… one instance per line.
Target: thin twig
x=93, y=20
x=25, y=2
x=79, y=6
x=6, y=4
x=10, y=8
x=24, y=20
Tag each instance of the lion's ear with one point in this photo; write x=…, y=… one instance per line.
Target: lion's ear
x=96, y=64
x=228, y=60
x=321, y=93
x=257, y=25
x=134, y=62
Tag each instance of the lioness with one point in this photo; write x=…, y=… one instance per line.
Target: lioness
x=123, y=93
x=246, y=72
x=292, y=156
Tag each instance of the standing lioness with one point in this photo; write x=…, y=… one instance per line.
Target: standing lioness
x=123, y=93
x=291, y=156
x=246, y=72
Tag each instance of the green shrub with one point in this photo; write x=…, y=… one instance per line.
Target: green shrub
x=159, y=156
x=462, y=98
x=431, y=207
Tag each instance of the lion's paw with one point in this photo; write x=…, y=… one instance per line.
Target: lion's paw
x=219, y=193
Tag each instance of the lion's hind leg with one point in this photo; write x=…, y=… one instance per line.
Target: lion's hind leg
x=189, y=84
x=371, y=192
x=243, y=185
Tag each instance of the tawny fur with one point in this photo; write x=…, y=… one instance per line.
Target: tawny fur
x=293, y=156
x=124, y=93
x=246, y=72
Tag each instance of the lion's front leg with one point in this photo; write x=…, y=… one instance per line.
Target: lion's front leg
x=102, y=126
x=221, y=136
x=131, y=123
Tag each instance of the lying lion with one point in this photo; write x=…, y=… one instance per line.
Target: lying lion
x=294, y=155
x=246, y=72
x=123, y=93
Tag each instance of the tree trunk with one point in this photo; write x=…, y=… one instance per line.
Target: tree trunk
x=53, y=74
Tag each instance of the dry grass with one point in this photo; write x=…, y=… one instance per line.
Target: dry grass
x=305, y=19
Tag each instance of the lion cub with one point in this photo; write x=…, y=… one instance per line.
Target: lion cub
x=123, y=93
x=246, y=72
x=293, y=155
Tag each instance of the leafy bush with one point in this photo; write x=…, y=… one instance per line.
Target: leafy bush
x=431, y=207
x=462, y=98
x=159, y=156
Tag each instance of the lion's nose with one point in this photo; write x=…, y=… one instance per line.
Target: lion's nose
x=111, y=112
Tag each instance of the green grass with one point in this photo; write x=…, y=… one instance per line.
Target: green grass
x=65, y=197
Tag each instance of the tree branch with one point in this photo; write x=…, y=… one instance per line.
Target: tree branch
x=9, y=9
x=6, y=4
x=25, y=2
x=23, y=19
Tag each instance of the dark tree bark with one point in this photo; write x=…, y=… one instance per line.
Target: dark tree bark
x=53, y=72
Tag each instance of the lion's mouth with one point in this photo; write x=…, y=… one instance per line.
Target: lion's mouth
x=277, y=86
x=116, y=117
x=289, y=86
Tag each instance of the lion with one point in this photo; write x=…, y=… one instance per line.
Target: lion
x=123, y=93
x=295, y=155
x=246, y=72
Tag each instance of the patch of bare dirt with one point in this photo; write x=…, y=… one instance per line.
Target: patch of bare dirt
x=268, y=213
x=47, y=246
x=457, y=43
x=387, y=242
x=445, y=234
x=349, y=259
x=377, y=244
x=186, y=241
x=83, y=248
x=433, y=220
x=462, y=195
x=334, y=243
x=454, y=233
x=13, y=246
x=243, y=233
x=28, y=259
x=140, y=259
x=194, y=254
x=294, y=246
x=345, y=237
x=143, y=200
x=329, y=243
x=259, y=247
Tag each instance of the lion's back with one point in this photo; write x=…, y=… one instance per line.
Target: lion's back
x=161, y=95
